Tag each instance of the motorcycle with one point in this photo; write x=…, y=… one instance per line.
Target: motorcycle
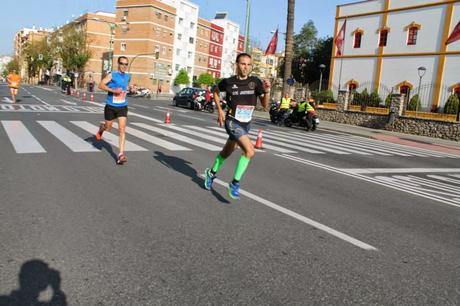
x=309, y=121
x=141, y=93
x=201, y=104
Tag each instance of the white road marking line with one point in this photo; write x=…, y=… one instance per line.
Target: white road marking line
x=36, y=98
x=68, y=102
x=399, y=170
x=107, y=137
x=445, y=179
x=225, y=136
x=172, y=109
x=431, y=184
x=44, y=88
x=315, y=146
x=7, y=100
x=22, y=140
x=399, y=187
x=303, y=219
x=179, y=137
x=72, y=141
x=141, y=106
x=155, y=140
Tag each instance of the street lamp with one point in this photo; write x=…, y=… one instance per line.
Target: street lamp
x=321, y=69
x=421, y=73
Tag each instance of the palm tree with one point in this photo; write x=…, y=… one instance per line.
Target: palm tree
x=289, y=45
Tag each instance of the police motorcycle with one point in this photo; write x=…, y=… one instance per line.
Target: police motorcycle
x=200, y=104
x=308, y=120
x=274, y=112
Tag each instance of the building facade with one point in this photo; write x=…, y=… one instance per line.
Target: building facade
x=398, y=46
x=21, y=39
x=99, y=28
x=264, y=66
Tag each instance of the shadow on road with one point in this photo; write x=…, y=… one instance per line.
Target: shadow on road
x=182, y=166
x=101, y=144
x=35, y=277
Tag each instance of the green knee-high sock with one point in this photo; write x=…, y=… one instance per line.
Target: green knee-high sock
x=241, y=167
x=218, y=163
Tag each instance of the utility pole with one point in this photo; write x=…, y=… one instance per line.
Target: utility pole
x=288, y=50
x=248, y=17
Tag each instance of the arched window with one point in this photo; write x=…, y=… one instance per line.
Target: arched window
x=412, y=33
x=383, y=38
x=352, y=87
x=357, y=42
x=457, y=91
x=405, y=89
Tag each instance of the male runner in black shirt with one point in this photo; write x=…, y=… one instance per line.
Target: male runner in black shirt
x=242, y=92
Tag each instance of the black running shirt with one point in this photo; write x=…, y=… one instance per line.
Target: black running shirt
x=241, y=95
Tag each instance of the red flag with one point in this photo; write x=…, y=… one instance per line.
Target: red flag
x=340, y=40
x=271, y=49
x=455, y=34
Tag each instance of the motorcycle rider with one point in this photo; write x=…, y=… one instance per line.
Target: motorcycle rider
x=284, y=108
x=310, y=111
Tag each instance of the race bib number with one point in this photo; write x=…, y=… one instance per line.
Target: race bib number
x=119, y=98
x=243, y=113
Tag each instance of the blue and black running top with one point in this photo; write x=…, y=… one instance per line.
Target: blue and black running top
x=119, y=80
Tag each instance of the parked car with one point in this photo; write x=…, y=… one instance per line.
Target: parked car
x=187, y=97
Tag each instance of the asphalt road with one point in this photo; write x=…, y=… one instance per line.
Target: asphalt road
x=325, y=218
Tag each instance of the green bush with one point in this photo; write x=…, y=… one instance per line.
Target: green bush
x=452, y=104
x=325, y=96
x=182, y=78
x=374, y=100
x=361, y=98
x=414, y=104
x=205, y=79
x=388, y=100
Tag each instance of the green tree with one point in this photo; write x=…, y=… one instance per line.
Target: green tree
x=452, y=104
x=73, y=48
x=182, y=78
x=388, y=100
x=205, y=79
x=10, y=66
x=39, y=56
x=374, y=99
x=414, y=104
x=306, y=39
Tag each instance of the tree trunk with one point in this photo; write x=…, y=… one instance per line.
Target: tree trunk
x=289, y=45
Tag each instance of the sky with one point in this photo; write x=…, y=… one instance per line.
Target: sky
x=266, y=15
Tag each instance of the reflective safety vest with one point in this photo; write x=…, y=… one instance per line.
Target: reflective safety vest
x=302, y=106
x=309, y=108
x=285, y=103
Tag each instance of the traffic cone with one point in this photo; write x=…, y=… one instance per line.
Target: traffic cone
x=259, y=140
x=83, y=96
x=91, y=98
x=168, y=118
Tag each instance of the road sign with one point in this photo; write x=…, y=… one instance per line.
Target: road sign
x=290, y=81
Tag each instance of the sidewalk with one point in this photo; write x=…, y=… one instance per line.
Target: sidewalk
x=424, y=142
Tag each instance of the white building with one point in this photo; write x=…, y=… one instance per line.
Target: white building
x=387, y=41
x=230, y=45
x=185, y=35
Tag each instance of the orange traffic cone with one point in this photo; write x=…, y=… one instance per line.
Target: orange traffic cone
x=83, y=97
x=259, y=140
x=168, y=118
x=91, y=97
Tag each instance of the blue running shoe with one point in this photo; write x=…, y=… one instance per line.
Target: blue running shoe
x=234, y=191
x=208, y=178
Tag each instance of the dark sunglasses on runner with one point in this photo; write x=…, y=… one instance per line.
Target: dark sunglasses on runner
x=123, y=64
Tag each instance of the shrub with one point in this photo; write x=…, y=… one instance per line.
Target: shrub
x=374, y=99
x=388, y=100
x=452, y=104
x=325, y=96
x=414, y=104
x=182, y=78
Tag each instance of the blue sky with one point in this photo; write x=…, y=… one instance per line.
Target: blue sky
x=266, y=15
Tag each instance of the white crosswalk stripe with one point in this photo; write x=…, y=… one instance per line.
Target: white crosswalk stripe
x=178, y=137
x=108, y=137
x=22, y=140
x=225, y=136
x=72, y=141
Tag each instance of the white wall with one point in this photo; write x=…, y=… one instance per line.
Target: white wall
x=407, y=3
x=229, y=47
x=359, y=69
x=370, y=38
x=455, y=46
x=361, y=7
x=451, y=74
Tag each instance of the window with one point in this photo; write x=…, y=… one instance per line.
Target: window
x=166, y=18
x=123, y=46
x=180, y=20
x=164, y=50
x=192, y=25
x=357, y=43
x=190, y=40
x=405, y=89
x=179, y=36
x=158, y=15
x=178, y=52
x=125, y=13
x=352, y=87
x=177, y=67
x=189, y=55
x=189, y=69
x=383, y=38
x=412, y=36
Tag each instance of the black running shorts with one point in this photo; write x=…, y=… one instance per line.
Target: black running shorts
x=111, y=112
